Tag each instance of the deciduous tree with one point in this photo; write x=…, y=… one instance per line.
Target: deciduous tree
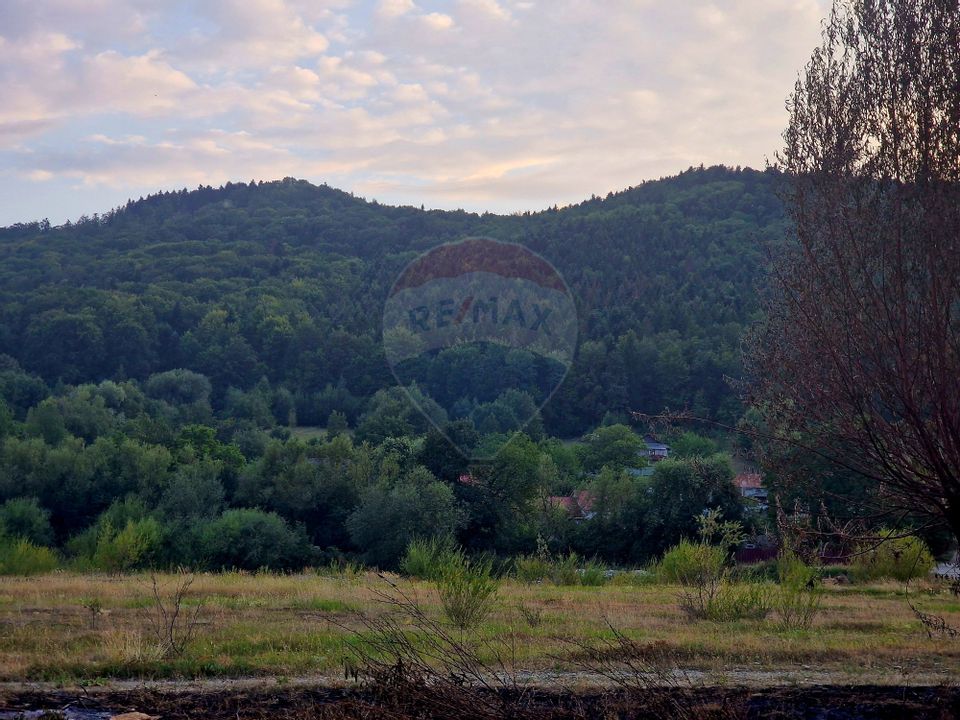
x=860, y=350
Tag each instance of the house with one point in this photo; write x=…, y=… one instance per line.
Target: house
x=759, y=548
x=468, y=479
x=578, y=506
x=655, y=450
x=751, y=488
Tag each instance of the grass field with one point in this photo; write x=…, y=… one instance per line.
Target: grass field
x=296, y=625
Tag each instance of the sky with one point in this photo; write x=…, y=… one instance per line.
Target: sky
x=499, y=105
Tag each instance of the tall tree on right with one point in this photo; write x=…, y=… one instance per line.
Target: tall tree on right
x=859, y=353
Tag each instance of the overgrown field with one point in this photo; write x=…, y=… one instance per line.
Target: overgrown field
x=68, y=627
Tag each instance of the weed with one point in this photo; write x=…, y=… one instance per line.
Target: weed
x=801, y=593
x=565, y=570
x=741, y=601
x=535, y=567
x=531, y=614
x=898, y=558
x=594, y=573
x=467, y=592
x=95, y=607
x=170, y=622
x=429, y=559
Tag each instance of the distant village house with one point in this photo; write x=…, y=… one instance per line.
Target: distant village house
x=656, y=450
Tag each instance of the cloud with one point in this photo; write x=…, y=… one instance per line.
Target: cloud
x=474, y=11
x=438, y=21
x=498, y=104
x=395, y=8
x=249, y=34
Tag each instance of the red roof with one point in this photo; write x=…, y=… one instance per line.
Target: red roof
x=747, y=480
x=578, y=505
x=585, y=500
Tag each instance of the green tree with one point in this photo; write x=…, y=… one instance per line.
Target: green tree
x=248, y=539
x=46, y=421
x=616, y=446
x=394, y=513
x=689, y=444
x=682, y=490
x=135, y=545
x=446, y=452
x=397, y=412
x=25, y=518
x=501, y=498
x=336, y=423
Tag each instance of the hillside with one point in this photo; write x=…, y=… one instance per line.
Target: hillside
x=286, y=281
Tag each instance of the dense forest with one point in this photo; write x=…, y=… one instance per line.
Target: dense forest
x=166, y=370
x=286, y=282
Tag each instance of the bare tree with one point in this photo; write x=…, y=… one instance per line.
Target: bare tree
x=171, y=622
x=859, y=353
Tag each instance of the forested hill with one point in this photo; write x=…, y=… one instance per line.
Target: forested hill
x=286, y=281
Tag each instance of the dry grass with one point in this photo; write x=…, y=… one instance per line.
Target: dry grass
x=297, y=625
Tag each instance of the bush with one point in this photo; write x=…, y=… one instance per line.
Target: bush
x=247, y=539
x=133, y=547
x=467, y=592
x=897, y=558
x=593, y=573
x=741, y=601
x=801, y=593
x=536, y=567
x=22, y=557
x=24, y=518
x=692, y=564
x=701, y=569
x=531, y=568
x=564, y=570
x=428, y=558
x=765, y=571
x=560, y=570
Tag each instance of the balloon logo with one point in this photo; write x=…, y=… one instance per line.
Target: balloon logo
x=480, y=332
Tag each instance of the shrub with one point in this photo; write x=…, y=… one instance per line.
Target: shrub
x=134, y=546
x=531, y=614
x=22, y=557
x=343, y=569
x=561, y=570
x=593, y=573
x=801, y=593
x=897, y=558
x=565, y=570
x=708, y=593
x=765, y=571
x=689, y=564
x=428, y=558
x=24, y=518
x=701, y=569
x=741, y=601
x=171, y=622
x=467, y=592
x=535, y=567
x=247, y=539
x=531, y=568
